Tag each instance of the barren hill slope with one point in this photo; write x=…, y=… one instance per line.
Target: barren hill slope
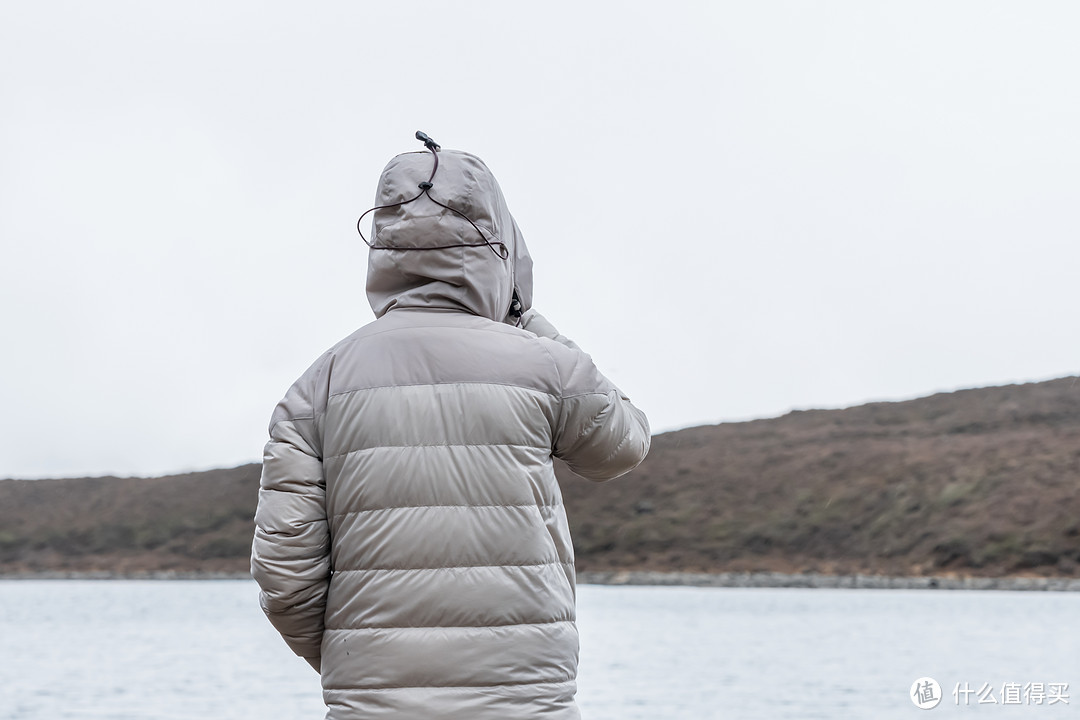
x=976, y=482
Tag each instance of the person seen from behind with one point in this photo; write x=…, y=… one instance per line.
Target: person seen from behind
x=411, y=542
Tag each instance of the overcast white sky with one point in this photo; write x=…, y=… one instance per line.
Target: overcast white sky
x=737, y=208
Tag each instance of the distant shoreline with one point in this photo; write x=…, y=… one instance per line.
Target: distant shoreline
x=648, y=578
x=819, y=580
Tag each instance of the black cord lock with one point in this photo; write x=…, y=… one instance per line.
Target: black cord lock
x=428, y=142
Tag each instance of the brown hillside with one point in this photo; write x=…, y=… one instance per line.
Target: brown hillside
x=198, y=521
x=972, y=482
x=977, y=481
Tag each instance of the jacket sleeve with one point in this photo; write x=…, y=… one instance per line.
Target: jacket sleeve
x=290, y=555
x=599, y=433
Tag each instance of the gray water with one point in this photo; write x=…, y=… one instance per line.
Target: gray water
x=202, y=649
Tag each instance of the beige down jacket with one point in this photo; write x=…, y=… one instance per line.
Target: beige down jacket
x=411, y=541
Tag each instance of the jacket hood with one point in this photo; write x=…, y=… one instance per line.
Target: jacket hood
x=465, y=276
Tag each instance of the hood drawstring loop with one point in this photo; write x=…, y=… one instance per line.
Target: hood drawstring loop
x=497, y=247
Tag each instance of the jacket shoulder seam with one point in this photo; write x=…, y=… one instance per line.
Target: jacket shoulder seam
x=554, y=364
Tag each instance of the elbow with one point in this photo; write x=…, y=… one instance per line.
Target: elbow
x=630, y=454
x=626, y=456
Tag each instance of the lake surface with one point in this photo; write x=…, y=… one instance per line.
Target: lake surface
x=202, y=649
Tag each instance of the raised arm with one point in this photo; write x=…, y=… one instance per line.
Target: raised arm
x=599, y=433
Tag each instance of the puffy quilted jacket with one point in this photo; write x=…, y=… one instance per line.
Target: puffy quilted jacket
x=411, y=540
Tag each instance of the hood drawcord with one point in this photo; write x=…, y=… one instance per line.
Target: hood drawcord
x=497, y=247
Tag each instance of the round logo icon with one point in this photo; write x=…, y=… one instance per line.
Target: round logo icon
x=925, y=693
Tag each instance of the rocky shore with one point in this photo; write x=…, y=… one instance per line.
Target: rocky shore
x=720, y=580
x=816, y=580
